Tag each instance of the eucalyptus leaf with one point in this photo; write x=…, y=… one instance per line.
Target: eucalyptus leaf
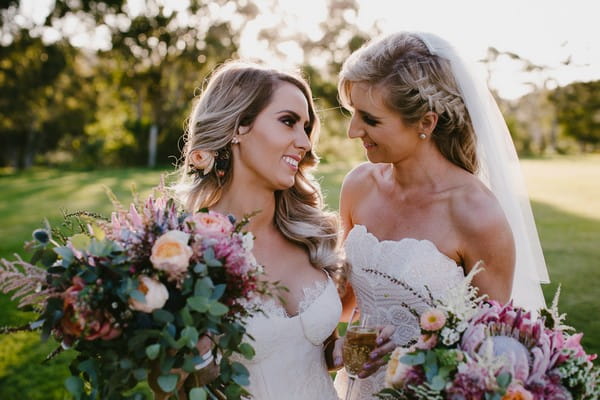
x=247, y=350
x=74, y=385
x=504, y=379
x=198, y=394
x=66, y=254
x=198, y=303
x=167, y=383
x=191, y=335
x=200, y=269
x=217, y=309
x=204, y=287
x=218, y=291
x=153, y=350
x=413, y=359
x=80, y=241
x=162, y=316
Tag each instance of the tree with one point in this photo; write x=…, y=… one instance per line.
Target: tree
x=578, y=112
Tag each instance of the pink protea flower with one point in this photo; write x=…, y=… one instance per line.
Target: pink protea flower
x=432, y=320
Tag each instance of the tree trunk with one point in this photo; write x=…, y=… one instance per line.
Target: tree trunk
x=152, y=145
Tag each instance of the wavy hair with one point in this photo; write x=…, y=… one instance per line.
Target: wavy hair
x=235, y=94
x=415, y=82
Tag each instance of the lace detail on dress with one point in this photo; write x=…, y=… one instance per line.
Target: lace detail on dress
x=418, y=263
x=289, y=361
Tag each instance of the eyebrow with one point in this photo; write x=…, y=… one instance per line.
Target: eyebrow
x=367, y=114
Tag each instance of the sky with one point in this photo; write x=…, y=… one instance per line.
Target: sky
x=545, y=32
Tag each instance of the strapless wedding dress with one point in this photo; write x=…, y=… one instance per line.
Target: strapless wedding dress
x=419, y=264
x=289, y=362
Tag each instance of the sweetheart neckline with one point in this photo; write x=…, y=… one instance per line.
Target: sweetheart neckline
x=406, y=239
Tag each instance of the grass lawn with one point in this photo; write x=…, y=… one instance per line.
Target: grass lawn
x=564, y=194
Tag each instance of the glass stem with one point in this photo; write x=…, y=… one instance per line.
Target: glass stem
x=351, y=380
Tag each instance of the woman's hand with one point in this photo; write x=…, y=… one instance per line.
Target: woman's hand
x=384, y=346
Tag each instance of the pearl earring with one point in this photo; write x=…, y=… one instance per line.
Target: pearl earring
x=235, y=140
x=423, y=136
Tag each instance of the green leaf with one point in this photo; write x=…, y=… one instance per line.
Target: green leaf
x=200, y=269
x=140, y=374
x=191, y=335
x=246, y=350
x=437, y=383
x=137, y=295
x=80, y=241
x=413, y=359
x=209, y=258
x=186, y=316
x=153, y=350
x=125, y=363
x=74, y=385
x=167, y=383
x=217, y=309
x=504, y=379
x=198, y=394
x=48, y=258
x=218, y=292
x=198, y=303
x=66, y=254
x=162, y=316
x=204, y=287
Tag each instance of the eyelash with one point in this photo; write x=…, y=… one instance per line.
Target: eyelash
x=369, y=121
x=290, y=122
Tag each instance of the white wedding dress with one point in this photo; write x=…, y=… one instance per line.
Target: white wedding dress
x=419, y=264
x=289, y=362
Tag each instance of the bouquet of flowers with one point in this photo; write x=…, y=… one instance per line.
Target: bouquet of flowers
x=135, y=294
x=471, y=348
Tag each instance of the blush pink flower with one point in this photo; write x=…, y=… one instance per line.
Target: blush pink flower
x=433, y=320
x=211, y=224
x=202, y=160
x=427, y=341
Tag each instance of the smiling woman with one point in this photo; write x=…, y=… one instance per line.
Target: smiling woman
x=260, y=126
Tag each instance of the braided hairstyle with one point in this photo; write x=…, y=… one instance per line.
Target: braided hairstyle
x=415, y=82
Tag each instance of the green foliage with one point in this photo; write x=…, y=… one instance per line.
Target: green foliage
x=578, y=112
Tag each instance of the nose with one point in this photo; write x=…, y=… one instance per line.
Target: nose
x=355, y=129
x=302, y=141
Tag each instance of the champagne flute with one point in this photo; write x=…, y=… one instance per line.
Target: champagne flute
x=359, y=342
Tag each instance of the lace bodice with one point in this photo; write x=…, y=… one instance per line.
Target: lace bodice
x=289, y=361
x=417, y=263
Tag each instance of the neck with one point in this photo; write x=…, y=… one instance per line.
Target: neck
x=242, y=199
x=427, y=169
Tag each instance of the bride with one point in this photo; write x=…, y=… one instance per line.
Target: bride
x=441, y=192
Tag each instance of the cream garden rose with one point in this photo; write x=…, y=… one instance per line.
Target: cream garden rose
x=202, y=160
x=156, y=295
x=171, y=253
x=396, y=371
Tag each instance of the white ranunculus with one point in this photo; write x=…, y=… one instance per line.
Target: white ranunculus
x=156, y=295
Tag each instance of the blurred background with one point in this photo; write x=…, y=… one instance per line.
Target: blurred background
x=95, y=94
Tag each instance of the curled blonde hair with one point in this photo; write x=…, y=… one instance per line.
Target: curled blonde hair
x=234, y=96
x=414, y=82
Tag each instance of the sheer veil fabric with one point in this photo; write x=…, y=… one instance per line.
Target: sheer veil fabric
x=500, y=171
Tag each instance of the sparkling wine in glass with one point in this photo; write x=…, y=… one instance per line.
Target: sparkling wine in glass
x=359, y=342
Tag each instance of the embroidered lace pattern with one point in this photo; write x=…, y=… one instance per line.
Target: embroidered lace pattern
x=289, y=361
x=419, y=264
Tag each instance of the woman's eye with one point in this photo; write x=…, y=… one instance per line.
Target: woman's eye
x=370, y=121
x=288, y=121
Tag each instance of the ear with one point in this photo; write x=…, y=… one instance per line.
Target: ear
x=242, y=130
x=428, y=122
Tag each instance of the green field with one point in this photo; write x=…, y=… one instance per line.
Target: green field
x=564, y=192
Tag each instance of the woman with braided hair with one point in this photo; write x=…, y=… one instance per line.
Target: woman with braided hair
x=442, y=189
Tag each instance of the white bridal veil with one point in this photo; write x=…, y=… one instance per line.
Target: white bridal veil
x=501, y=172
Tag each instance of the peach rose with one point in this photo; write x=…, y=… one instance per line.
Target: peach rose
x=517, y=392
x=202, y=160
x=396, y=371
x=156, y=295
x=171, y=254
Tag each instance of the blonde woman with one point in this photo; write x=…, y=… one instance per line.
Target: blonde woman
x=442, y=189
x=250, y=147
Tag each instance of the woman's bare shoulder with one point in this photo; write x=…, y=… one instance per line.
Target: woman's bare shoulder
x=360, y=175
x=475, y=209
